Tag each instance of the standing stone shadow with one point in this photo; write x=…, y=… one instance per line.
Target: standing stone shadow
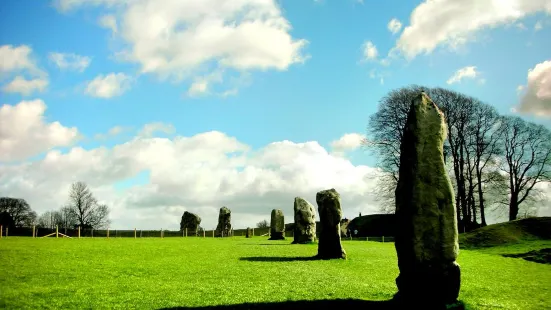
x=279, y=258
x=351, y=304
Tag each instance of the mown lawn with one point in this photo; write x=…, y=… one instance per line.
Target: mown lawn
x=153, y=273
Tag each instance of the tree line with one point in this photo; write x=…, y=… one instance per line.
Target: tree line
x=82, y=209
x=496, y=160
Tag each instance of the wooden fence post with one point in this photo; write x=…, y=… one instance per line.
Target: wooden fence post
x=56, y=231
x=134, y=233
x=33, y=230
x=79, y=232
x=203, y=233
x=161, y=233
x=107, y=233
x=1, y=231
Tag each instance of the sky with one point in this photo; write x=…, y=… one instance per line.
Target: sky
x=175, y=105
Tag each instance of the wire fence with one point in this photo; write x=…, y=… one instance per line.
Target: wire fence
x=39, y=232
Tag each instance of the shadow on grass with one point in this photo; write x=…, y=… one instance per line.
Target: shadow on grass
x=278, y=258
x=322, y=304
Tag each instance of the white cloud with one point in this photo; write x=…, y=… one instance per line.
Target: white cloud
x=521, y=26
x=70, y=61
x=229, y=92
x=24, y=132
x=369, y=51
x=198, y=88
x=449, y=22
x=537, y=93
x=394, y=26
x=112, y=132
x=184, y=39
x=110, y=22
x=149, y=129
x=16, y=59
x=25, y=87
x=348, y=142
x=520, y=88
x=68, y=5
x=468, y=72
x=200, y=173
x=110, y=85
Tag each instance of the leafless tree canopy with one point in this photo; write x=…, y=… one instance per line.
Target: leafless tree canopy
x=262, y=224
x=85, y=208
x=474, y=148
x=63, y=218
x=527, y=158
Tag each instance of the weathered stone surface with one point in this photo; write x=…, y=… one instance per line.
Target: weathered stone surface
x=223, y=228
x=190, y=221
x=426, y=237
x=330, y=212
x=249, y=232
x=277, y=225
x=344, y=227
x=305, y=221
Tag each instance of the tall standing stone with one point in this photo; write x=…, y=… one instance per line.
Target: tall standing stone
x=190, y=221
x=329, y=208
x=224, y=223
x=426, y=238
x=277, y=225
x=249, y=233
x=305, y=221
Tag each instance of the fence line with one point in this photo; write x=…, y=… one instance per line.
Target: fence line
x=41, y=232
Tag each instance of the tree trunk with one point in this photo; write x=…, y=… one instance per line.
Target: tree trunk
x=513, y=207
x=460, y=222
x=481, y=199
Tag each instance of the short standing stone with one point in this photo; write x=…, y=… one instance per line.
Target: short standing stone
x=305, y=221
x=190, y=222
x=249, y=232
x=426, y=237
x=330, y=212
x=277, y=225
x=224, y=223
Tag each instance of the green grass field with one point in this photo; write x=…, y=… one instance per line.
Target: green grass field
x=153, y=273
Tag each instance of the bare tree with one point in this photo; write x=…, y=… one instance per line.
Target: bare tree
x=484, y=147
x=85, y=208
x=384, y=193
x=45, y=220
x=384, y=134
x=262, y=224
x=19, y=211
x=527, y=149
